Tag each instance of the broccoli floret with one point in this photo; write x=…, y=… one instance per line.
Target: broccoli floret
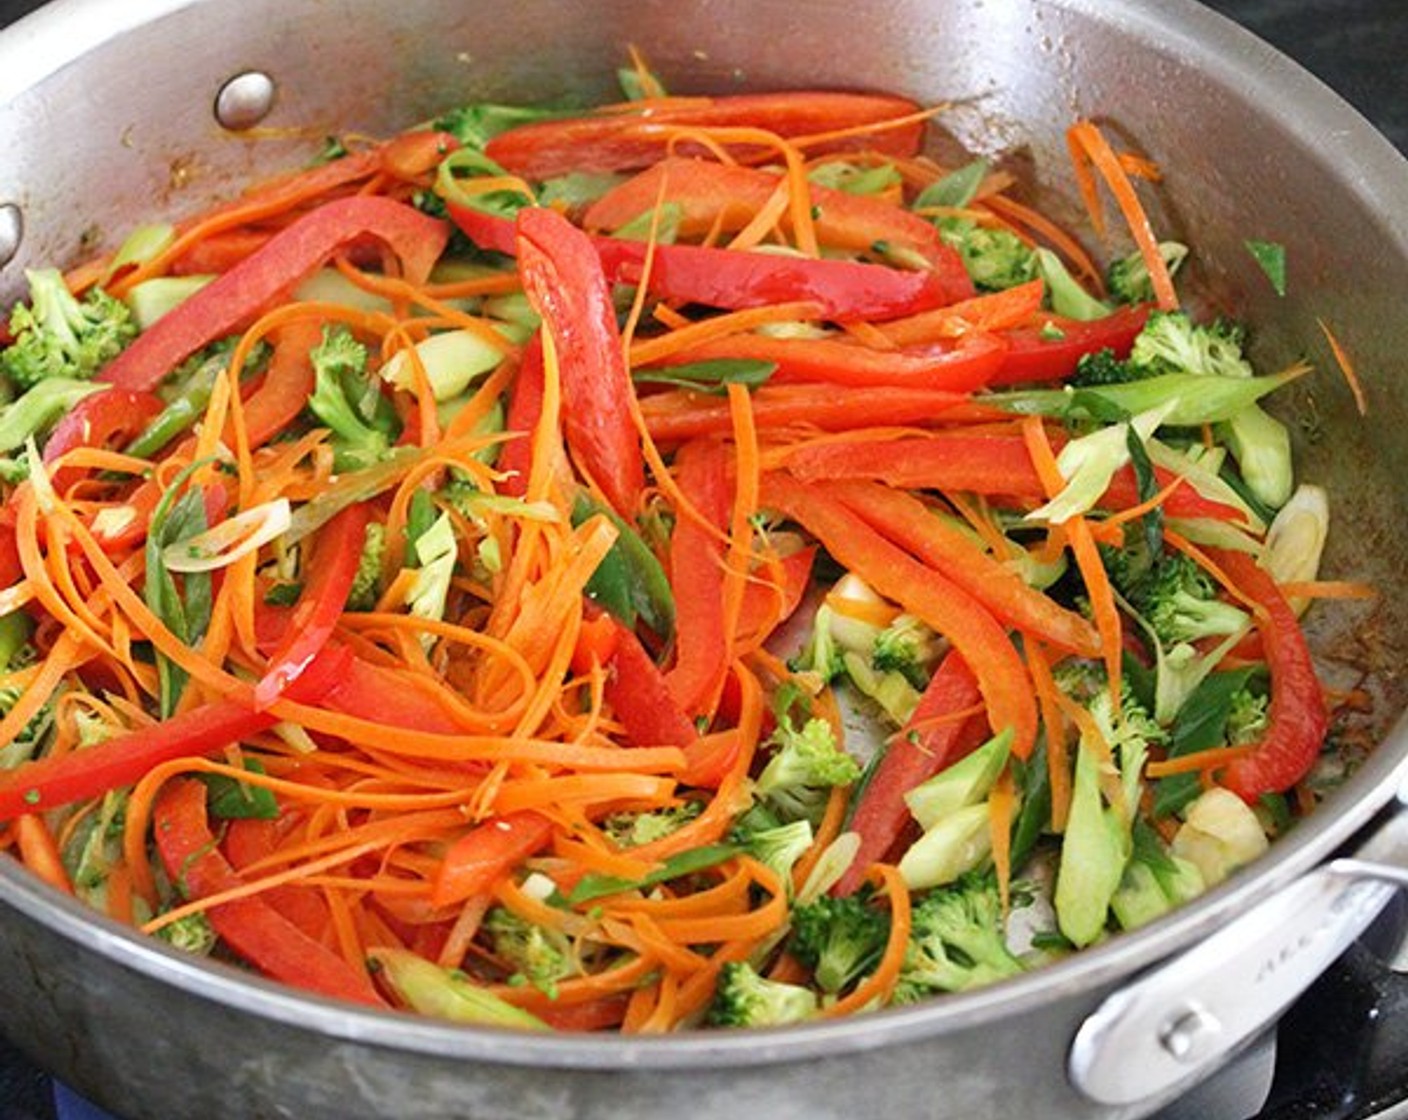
x=348, y=401
x=956, y=941
x=1248, y=717
x=839, y=939
x=1179, y=601
x=58, y=335
x=776, y=846
x=805, y=764
x=630, y=830
x=30, y=741
x=1103, y=368
x=366, y=584
x=907, y=647
x=192, y=934
x=1127, y=279
x=1172, y=343
x=475, y=125
x=744, y=998
x=996, y=259
x=538, y=955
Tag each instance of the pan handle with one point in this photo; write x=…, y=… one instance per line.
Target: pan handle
x=1174, y=1025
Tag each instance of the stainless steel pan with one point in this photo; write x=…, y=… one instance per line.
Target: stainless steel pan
x=109, y=112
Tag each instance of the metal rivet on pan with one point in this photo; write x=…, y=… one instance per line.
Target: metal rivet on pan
x=244, y=100
x=11, y=231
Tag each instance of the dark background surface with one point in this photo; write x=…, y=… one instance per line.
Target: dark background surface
x=1357, y=47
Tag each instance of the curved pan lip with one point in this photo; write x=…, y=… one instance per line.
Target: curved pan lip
x=59, y=34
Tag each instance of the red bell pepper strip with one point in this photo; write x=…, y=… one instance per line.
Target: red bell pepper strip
x=680, y=415
x=1033, y=354
x=11, y=569
x=362, y=689
x=766, y=604
x=339, y=551
x=562, y=278
x=233, y=299
x=963, y=368
x=697, y=578
x=996, y=466
x=287, y=384
x=942, y=729
x=48, y=783
x=525, y=408
x=250, y=926
x=715, y=196
x=641, y=699
x=94, y=422
x=486, y=853
x=622, y=138
x=909, y=523
x=732, y=280
x=1298, y=717
x=928, y=595
x=248, y=841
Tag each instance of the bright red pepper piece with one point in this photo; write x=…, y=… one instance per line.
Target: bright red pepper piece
x=996, y=466
x=909, y=523
x=562, y=278
x=249, y=840
x=942, y=729
x=732, y=280
x=620, y=140
x=1034, y=354
x=963, y=368
x=1298, y=714
x=973, y=631
x=487, y=852
x=525, y=408
x=671, y=417
x=94, y=421
x=319, y=608
x=50, y=782
x=697, y=578
x=638, y=694
x=287, y=384
x=710, y=197
x=233, y=299
x=766, y=605
x=250, y=926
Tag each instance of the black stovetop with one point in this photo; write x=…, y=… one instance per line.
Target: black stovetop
x=1342, y=1052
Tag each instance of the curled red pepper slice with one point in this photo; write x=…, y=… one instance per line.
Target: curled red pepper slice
x=734, y=280
x=942, y=729
x=1298, y=715
x=235, y=297
x=250, y=926
x=120, y=761
x=619, y=140
x=562, y=278
x=923, y=592
x=320, y=606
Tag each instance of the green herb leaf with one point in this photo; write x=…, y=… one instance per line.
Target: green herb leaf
x=1271, y=256
x=1152, y=522
x=590, y=887
x=232, y=800
x=711, y=376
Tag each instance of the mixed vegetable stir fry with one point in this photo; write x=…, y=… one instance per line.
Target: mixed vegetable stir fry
x=693, y=562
